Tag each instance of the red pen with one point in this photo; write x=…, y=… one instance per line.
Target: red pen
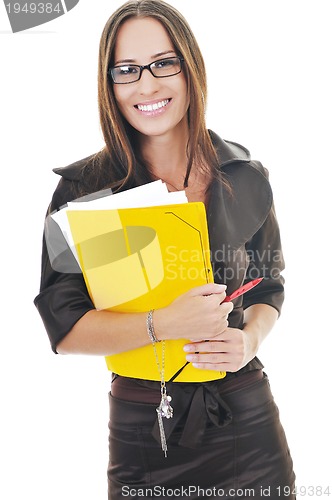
x=243, y=289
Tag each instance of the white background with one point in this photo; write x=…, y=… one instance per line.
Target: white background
x=269, y=74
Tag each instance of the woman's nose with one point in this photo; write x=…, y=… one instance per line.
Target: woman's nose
x=148, y=83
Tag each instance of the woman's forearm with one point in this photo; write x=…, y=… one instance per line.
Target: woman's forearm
x=259, y=320
x=104, y=333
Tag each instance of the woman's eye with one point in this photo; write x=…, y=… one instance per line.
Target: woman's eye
x=127, y=70
x=164, y=63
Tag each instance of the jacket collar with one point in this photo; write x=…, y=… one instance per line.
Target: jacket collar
x=228, y=151
x=235, y=215
x=73, y=171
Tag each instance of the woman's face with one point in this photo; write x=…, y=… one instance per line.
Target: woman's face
x=153, y=106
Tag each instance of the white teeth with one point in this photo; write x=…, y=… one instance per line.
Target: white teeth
x=152, y=107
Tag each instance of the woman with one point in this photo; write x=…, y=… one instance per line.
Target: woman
x=225, y=434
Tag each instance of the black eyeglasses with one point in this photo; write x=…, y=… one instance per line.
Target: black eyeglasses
x=130, y=73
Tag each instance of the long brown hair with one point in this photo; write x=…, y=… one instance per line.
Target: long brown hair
x=119, y=164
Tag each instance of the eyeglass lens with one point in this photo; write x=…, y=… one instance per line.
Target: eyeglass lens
x=130, y=73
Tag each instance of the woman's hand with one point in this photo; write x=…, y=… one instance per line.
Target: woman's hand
x=196, y=315
x=233, y=349
x=230, y=351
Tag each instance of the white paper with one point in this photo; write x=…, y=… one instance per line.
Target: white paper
x=148, y=195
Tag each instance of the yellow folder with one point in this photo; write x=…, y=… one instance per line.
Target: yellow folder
x=137, y=259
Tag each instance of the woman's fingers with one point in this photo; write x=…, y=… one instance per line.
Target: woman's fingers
x=228, y=353
x=208, y=289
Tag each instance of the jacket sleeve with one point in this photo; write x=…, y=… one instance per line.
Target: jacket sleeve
x=63, y=298
x=266, y=260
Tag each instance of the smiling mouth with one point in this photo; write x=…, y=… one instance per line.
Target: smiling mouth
x=153, y=107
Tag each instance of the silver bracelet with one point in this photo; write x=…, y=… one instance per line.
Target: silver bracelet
x=150, y=327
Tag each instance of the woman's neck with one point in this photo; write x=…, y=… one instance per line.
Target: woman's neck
x=166, y=155
x=167, y=159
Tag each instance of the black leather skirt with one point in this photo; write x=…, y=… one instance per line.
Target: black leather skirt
x=220, y=444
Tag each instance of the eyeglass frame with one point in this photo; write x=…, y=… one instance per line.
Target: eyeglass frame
x=148, y=67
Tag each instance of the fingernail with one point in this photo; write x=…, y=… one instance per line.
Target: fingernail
x=190, y=357
x=187, y=348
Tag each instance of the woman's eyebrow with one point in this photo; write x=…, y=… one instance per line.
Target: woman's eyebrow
x=163, y=53
x=155, y=56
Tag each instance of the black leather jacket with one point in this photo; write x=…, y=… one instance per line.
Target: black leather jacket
x=244, y=243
